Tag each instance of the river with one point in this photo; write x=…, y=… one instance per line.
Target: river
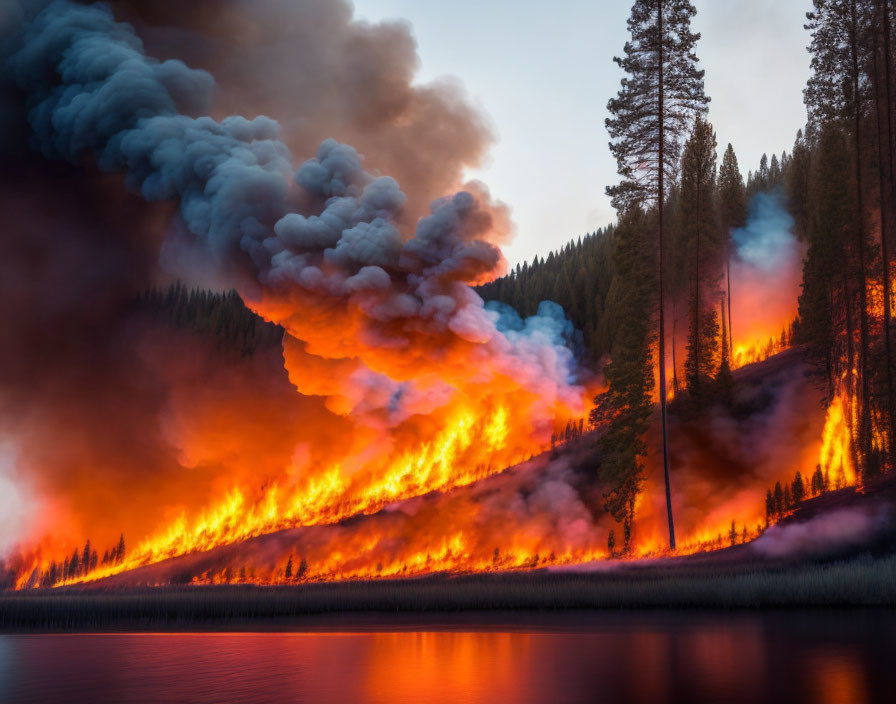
x=819, y=657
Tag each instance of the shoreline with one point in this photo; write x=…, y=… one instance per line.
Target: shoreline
x=859, y=583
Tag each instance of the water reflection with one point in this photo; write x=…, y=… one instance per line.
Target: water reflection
x=665, y=658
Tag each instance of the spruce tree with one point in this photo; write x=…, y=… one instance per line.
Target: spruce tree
x=700, y=231
x=883, y=103
x=660, y=95
x=85, y=558
x=836, y=94
x=779, y=499
x=799, y=488
x=627, y=405
x=798, y=186
x=732, y=202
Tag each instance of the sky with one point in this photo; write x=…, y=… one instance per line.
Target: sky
x=543, y=73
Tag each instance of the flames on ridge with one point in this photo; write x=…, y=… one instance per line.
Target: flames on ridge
x=429, y=394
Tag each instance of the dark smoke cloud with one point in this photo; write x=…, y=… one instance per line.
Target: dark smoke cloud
x=332, y=251
x=322, y=72
x=93, y=91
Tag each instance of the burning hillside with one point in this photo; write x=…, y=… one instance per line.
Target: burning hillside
x=358, y=417
x=544, y=512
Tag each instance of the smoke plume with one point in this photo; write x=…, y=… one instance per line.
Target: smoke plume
x=391, y=349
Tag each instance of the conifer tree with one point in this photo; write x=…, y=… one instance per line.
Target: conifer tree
x=119, y=551
x=836, y=94
x=85, y=558
x=799, y=488
x=660, y=95
x=824, y=305
x=732, y=215
x=700, y=232
x=883, y=103
x=627, y=405
x=798, y=186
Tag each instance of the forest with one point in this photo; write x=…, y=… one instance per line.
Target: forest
x=627, y=341
x=679, y=204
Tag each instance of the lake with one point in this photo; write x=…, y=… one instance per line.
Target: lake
x=660, y=658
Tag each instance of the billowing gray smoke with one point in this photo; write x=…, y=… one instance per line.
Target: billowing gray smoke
x=93, y=92
x=382, y=321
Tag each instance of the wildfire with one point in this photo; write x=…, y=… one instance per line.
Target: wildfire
x=835, y=458
x=459, y=455
x=750, y=352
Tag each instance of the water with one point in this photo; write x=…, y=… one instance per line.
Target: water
x=658, y=658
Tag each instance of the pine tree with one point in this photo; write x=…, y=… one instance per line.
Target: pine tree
x=769, y=507
x=85, y=558
x=732, y=203
x=288, y=573
x=836, y=94
x=883, y=103
x=627, y=405
x=119, y=551
x=799, y=488
x=825, y=304
x=700, y=232
x=779, y=499
x=798, y=186
x=774, y=173
x=661, y=93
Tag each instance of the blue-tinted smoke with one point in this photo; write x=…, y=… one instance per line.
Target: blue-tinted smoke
x=767, y=241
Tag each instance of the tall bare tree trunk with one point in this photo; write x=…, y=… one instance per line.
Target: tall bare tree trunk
x=697, y=296
x=850, y=363
x=730, y=328
x=662, y=339
x=864, y=411
x=725, y=335
x=885, y=258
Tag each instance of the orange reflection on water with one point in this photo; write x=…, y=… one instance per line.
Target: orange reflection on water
x=838, y=678
x=446, y=667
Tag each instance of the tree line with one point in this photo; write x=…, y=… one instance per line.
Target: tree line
x=842, y=193
x=577, y=277
x=221, y=317
x=666, y=262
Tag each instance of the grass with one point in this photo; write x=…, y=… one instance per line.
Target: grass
x=859, y=582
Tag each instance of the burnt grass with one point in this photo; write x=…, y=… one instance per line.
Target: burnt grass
x=863, y=580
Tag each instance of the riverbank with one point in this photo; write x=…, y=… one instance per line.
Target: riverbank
x=862, y=581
